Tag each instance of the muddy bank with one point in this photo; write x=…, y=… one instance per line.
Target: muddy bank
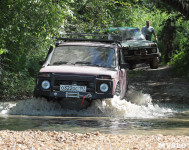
x=64, y=140
x=162, y=84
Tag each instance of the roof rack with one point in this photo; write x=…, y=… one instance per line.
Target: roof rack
x=107, y=38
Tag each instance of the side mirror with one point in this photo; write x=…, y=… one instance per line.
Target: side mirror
x=41, y=62
x=124, y=65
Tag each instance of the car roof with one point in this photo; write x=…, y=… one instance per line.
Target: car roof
x=92, y=44
x=85, y=39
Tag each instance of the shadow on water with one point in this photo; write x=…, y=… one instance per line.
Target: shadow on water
x=112, y=116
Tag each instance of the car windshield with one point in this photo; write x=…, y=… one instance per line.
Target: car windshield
x=84, y=55
x=132, y=34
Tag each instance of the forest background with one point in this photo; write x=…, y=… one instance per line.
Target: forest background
x=28, y=28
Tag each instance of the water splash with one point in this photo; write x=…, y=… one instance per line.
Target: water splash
x=137, y=105
x=5, y=107
x=124, y=109
x=138, y=97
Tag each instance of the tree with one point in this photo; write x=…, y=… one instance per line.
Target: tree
x=27, y=28
x=180, y=5
x=91, y=15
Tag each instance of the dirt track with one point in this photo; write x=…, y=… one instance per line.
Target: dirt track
x=162, y=84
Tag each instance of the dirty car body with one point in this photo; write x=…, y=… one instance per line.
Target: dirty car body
x=136, y=49
x=82, y=69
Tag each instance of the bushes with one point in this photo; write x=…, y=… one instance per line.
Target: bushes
x=27, y=29
x=180, y=61
x=16, y=85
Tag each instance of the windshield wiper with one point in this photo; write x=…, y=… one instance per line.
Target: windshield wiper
x=129, y=39
x=83, y=62
x=90, y=64
x=87, y=63
x=60, y=62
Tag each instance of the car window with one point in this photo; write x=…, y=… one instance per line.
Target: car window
x=84, y=55
x=132, y=34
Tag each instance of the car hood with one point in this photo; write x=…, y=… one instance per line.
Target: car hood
x=138, y=43
x=85, y=70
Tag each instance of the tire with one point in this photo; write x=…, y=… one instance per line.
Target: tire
x=127, y=83
x=154, y=63
x=118, y=91
x=132, y=66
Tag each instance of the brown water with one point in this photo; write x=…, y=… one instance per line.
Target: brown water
x=112, y=116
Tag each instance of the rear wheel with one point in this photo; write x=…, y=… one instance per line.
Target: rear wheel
x=154, y=63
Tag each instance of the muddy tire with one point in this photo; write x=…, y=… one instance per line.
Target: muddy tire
x=154, y=63
x=118, y=91
x=132, y=66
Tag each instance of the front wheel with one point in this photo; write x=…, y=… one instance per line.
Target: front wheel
x=118, y=91
x=154, y=63
x=132, y=66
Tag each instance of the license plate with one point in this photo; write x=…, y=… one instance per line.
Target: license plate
x=73, y=88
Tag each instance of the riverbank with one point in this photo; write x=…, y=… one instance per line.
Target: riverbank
x=162, y=84
x=67, y=141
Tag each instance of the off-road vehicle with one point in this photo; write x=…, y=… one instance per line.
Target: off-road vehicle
x=83, y=68
x=136, y=49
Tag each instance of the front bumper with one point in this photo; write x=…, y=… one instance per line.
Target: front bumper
x=91, y=82
x=60, y=94
x=139, y=57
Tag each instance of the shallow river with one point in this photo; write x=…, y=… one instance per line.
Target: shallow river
x=112, y=116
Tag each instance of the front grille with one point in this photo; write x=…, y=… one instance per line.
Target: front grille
x=140, y=52
x=90, y=85
x=66, y=82
x=143, y=52
x=88, y=81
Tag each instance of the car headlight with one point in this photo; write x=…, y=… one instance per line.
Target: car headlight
x=154, y=45
x=104, y=87
x=154, y=50
x=45, y=84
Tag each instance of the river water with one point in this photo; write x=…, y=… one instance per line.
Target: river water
x=136, y=115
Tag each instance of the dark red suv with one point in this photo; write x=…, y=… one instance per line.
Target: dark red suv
x=78, y=68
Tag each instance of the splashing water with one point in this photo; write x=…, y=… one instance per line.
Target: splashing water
x=137, y=105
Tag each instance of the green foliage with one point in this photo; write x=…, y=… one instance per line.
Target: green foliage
x=181, y=60
x=140, y=15
x=16, y=85
x=27, y=28
x=89, y=16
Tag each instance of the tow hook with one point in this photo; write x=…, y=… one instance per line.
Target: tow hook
x=86, y=96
